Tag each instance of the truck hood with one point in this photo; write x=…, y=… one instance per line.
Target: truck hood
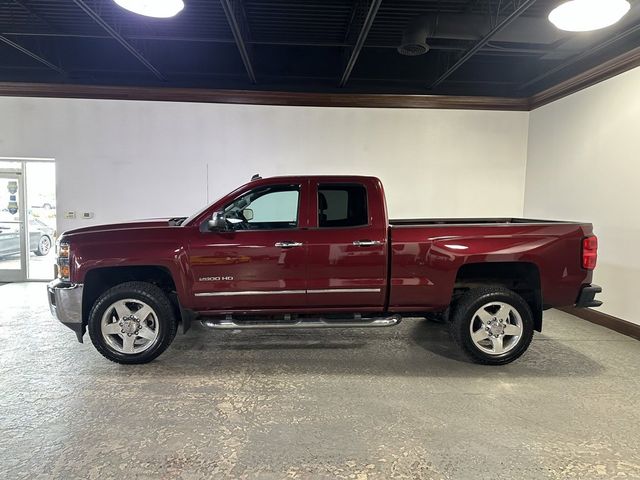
x=137, y=224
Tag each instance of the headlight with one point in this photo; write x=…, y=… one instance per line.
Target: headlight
x=64, y=271
x=63, y=250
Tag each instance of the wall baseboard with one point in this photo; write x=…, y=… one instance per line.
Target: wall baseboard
x=614, y=323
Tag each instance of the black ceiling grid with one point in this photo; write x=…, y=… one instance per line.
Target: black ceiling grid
x=475, y=47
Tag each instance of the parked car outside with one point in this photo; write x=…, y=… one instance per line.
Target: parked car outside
x=40, y=238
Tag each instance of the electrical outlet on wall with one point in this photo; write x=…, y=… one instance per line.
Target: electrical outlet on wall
x=87, y=215
x=70, y=215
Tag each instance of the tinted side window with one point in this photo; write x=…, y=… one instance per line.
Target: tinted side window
x=342, y=205
x=265, y=208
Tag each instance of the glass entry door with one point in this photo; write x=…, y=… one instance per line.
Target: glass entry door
x=13, y=244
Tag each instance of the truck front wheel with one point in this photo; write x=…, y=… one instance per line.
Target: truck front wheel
x=492, y=325
x=132, y=323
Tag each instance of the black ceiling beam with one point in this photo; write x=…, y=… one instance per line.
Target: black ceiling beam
x=483, y=41
x=362, y=37
x=236, y=17
x=119, y=38
x=33, y=55
x=129, y=37
x=487, y=49
x=32, y=12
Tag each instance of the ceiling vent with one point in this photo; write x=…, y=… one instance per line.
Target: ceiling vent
x=414, y=37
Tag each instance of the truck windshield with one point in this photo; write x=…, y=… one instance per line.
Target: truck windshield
x=192, y=217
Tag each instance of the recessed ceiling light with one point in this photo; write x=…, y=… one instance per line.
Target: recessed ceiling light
x=153, y=8
x=586, y=15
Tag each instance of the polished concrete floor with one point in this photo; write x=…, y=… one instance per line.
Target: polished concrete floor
x=391, y=403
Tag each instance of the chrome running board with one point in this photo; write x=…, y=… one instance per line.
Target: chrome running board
x=233, y=324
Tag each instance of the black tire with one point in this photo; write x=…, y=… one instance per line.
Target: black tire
x=463, y=314
x=156, y=299
x=42, y=251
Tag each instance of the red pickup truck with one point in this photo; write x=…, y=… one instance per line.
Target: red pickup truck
x=318, y=252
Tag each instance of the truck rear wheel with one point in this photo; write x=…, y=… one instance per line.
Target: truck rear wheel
x=492, y=325
x=132, y=323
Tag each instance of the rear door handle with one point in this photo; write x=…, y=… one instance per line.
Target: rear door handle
x=288, y=244
x=367, y=243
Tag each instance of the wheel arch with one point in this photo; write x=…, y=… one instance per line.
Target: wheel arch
x=100, y=279
x=521, y=277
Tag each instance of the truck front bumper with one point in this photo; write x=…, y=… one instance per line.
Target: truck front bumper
x=65, y=303
x=587, y=296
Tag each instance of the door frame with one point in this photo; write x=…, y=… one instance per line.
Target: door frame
x=21, y=274
x=25, y=247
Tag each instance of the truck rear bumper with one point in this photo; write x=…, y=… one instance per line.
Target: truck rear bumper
x=587, y=296
x=65, y=303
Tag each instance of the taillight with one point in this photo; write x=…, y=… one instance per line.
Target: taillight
x=589, y=252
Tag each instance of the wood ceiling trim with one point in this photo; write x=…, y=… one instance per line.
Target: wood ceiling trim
x=260, y=98
x=583, y=80
x=597, y=74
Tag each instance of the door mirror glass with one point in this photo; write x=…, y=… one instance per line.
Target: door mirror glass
x=217, y=222
x=247, y=213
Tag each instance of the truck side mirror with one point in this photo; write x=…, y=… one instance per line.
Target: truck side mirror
x=217, y=222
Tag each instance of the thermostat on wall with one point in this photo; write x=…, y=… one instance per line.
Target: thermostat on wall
x=70, y=215
x=87, y=215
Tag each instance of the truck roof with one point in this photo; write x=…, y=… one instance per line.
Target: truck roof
x=333, y=178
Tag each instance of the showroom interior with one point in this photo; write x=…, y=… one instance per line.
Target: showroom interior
x=116, y=111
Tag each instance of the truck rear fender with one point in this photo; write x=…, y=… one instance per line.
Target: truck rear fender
x=520, y=277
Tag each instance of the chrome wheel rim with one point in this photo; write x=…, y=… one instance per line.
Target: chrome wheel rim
x=496, y=328
x=129, y=326
x=45, y=245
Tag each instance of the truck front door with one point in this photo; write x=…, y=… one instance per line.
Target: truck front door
x=259, y=262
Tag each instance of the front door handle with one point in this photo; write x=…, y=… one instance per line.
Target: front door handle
x=288, y=244
x=367, y=243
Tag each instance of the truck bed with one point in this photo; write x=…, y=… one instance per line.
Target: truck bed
x=470, y=221
x=428, y=255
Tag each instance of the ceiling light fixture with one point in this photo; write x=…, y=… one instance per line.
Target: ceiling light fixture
x=586, y=15
x=153, y=8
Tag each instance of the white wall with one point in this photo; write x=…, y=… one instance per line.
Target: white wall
x=126, y=159
x=584, y=164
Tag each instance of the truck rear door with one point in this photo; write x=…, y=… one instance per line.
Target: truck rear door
x=347, y=245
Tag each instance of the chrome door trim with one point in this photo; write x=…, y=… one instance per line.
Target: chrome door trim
x=345, y=290
x=286, y=292
x=249, y=292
